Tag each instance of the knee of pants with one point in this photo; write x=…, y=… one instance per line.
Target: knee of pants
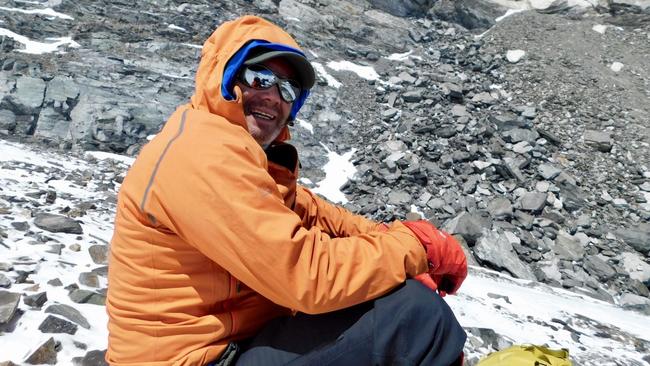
x=415, y=301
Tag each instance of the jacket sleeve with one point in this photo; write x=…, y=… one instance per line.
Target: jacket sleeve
x=336, y=221
x=221, y=200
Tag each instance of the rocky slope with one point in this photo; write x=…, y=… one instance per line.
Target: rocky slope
x=528, y=138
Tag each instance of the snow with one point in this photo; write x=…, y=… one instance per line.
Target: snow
x=331, y=81
x=523, y=311
x=508, y=13
x=175, y=27
x=46, y=11
x=306, y=125
x=337, y=172
x=97, y=228
x=400, y=56
x=529, y=305
x=599, y=28
x=616, y=66
x=33, y=47
x=364, y=72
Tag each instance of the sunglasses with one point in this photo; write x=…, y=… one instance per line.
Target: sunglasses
x=259, y=77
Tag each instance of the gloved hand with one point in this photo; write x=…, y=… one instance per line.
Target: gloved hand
x=447, y=262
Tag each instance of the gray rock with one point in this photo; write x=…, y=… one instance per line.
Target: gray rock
x=53, y=324
x=532, y=201
x=596, y=266
x=459, y=110
x=61, y=89
x=516, y=135
x=405, y=8
x=601, y=141
x=7, y=120
x=99, y=253
x=8, y=305
x=500, y=208
x=29, y=94
x=399, y=197
x=57, y=223
x=94, y=358
x=89, y=279
x=507, y=121
x=35, y=300
x=87, y=297
x=548, y=171
x=413, y=96
x=635, y=302
x=496, y=249
x=4, y=266
x=4, y=281
x=483, y=98
x=573, y=198
x=635, y=266
x=638, y=238
x=469, y=225
x=52, y=124
x=69, y=313
x=566, y=247
x=44, y=354
x=471, y=14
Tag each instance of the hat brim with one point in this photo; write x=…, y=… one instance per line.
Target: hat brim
x=302, y=66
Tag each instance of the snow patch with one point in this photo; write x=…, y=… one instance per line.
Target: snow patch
x=47, y=12
x=306, y=125
x=331, y=81
x=37, y=48
x=337, y=172
x=364, y=72
x=514, y=56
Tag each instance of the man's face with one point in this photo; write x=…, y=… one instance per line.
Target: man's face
x=266, y=112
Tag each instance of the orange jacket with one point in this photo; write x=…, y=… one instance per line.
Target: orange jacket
x=213, y=239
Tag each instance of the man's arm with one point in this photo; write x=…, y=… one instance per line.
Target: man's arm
x=332, y=219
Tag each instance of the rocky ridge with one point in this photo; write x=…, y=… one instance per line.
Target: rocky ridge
x=529, y=141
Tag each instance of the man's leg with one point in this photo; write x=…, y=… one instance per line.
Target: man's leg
x=410, y=326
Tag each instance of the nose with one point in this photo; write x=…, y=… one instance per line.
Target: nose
x=272, y=94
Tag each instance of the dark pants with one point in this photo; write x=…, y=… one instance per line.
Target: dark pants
x=412, y=325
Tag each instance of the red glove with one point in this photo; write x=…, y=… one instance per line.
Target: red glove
x=447, y=262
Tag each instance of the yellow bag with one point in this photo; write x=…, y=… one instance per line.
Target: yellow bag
x=527, y=355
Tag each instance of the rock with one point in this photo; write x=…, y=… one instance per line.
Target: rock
x=7, y=120
x=399, y=197
x=52, y=124
x=635, y=266
x=4, y=281
x=89, y=279
x=405, y=8
x=57, y=223
x=500, y=208
x=471, y=14
x=35, y=300
x=413, y=96
x=532, y=201
x=29, y=94
x=87, y=297
x=601, y=141
x=496, y=249
x=513, y=56
x=469, y=226
x=596, y=266
x=8, y=305
x=44, y=354
x=638, y=238
x=516, y=135
x=566, y=247
x=635, y=302
x=99, y=253
x=53, y=324
x=69, y=313
x=459, y=110
x=548, y=171
x=94, y=358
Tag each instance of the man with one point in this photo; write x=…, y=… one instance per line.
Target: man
x=218, y=257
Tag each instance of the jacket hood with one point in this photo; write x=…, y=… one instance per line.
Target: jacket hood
x=222, y=55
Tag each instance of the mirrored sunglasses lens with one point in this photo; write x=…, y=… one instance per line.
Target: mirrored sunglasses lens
x=289, y=91
x=259, y=79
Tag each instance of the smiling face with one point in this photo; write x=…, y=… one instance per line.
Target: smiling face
x=265, y=110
